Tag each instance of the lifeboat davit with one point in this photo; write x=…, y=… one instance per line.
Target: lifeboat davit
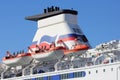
x=77, y=49
x=2, y=67
x=51, y=54
x=17, y=60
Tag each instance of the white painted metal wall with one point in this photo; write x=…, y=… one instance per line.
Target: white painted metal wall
x=55, y=26
x=109, y=74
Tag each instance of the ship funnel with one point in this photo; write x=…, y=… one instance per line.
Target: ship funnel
x=55, y=25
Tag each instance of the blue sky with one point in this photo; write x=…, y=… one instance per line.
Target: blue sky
x=99, y=20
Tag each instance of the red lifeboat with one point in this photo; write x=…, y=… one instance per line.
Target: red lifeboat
x=17, y=60
x=45, y=53
x=77, y=48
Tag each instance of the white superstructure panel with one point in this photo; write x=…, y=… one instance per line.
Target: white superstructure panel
x=68, y=18
x=54, y=30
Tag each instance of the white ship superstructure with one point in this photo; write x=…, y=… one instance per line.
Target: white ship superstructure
x=61, y=51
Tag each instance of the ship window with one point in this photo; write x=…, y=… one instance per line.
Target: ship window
x=40, y=78
x=96, y=71
x=49, y=78
x=111, y=60
x=84, y=38
x=73, y=75
x=64, y=76
x=79, y=74
x=55, y=77
x=76, y=30
x=89, y=72
x=103, y=70
x=75, y=66
x=111, y=69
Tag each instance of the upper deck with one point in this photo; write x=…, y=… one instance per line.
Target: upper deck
x=86, y=73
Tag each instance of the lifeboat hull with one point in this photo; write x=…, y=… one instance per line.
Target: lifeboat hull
x=51, y=55
x=17, y=61
x=70, y=52
x=79, y=49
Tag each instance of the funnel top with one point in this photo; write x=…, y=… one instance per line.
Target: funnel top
x=49, y=12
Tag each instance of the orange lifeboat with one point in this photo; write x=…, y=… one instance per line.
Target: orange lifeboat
x=76, y=49
x=48, y=54
x=17, y=60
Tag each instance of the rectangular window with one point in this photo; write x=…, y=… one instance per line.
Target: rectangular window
x=84, y=38
x=49, y=78
x=71, y=75
x=76, y=30
x=40, y=78
x=64, y=76
x=56, y=77
x=103, y=70
x=77, y=74
x=45, y=78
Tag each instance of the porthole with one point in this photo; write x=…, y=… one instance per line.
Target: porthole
x=89, y=72
x=103, y=70
x=111, y=69
x=96, y=71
